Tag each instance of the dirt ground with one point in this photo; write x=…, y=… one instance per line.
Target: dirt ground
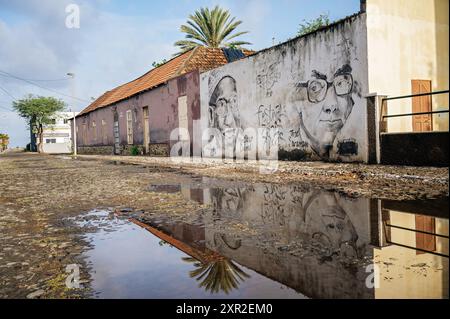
x=39, y=192
x=374, y=181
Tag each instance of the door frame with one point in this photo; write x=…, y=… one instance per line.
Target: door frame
x=418, y=82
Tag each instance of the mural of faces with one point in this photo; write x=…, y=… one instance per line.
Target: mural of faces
x=322, y=218
x=329, y=103
x=228, y=201
x=223, y=106
x=328, y=223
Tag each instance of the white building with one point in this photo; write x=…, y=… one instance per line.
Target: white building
x=57, y=137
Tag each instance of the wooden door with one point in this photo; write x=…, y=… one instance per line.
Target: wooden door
x=146, y=130
x=425, y=241
x=421, y=123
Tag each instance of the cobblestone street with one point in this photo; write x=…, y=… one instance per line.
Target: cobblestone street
x=40, y=193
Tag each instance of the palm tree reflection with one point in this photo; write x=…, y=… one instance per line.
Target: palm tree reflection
x=217, y=274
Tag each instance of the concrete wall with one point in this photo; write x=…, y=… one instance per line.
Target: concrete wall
x=163, y=117
x=58, y=148
x=416, y=149
x=60, y=133
x=408, y=40
x=270, y=90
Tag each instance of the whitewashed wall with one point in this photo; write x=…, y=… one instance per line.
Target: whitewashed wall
x=270, y=90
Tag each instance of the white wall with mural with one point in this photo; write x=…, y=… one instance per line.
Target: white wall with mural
x=311, y=88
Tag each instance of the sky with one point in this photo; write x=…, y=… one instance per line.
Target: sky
x=116, y=42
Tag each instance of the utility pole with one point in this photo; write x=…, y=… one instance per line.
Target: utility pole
x=74, y=135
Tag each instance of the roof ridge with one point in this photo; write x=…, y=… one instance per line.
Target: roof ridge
x=155, y=68
x=199, y=58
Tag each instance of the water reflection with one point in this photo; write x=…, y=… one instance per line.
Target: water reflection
x=127, y=261
x=325, y=244
x=217, y=275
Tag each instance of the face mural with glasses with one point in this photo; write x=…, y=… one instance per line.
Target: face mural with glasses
x=327, y=108
x=309, y=91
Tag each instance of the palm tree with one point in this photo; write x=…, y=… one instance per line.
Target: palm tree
x=211, y=28
x=218, y=274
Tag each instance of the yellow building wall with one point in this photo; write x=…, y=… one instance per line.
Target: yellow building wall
x=408, y=40
x=405, y=274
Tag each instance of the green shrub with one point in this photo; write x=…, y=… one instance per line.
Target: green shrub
x=134, y=150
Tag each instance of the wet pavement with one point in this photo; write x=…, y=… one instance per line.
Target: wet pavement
x=139, y=230
x=262, y=241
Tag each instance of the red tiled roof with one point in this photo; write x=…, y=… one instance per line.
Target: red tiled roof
x=201, y=58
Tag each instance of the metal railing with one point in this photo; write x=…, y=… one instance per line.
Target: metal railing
x=388, y=240
x=385, y=116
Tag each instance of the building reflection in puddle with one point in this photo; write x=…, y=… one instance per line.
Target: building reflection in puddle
x=214, y=272
x=322, y=244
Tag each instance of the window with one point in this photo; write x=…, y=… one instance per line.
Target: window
x=129, y=127
x=52, y=121
x=50, y=141
x=66, y=121
x=94, y=130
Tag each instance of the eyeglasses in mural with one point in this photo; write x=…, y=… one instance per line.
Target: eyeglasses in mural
x=328, y=106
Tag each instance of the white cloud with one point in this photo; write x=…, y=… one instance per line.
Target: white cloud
x=109, y=49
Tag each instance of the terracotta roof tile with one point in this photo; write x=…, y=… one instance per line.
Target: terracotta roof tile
x=201, y=58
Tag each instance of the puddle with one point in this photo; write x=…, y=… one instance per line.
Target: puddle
x=128, y=261
x=273, y=241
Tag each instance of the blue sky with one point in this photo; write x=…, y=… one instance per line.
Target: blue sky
x=118, y=41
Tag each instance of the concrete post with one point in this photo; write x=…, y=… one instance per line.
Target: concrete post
x=376, y=125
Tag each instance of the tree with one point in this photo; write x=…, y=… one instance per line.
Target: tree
x=38, y=111
x=4, y=141
x=218, y=274
x=158, y=64
x=211, y=28
x=310, y=26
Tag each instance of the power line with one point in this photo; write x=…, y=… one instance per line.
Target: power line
x=2, y=107
x=36, y=80
x=40, y=86
x=9, y=94
x=53, y=80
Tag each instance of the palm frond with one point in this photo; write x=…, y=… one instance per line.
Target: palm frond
x=210, y=28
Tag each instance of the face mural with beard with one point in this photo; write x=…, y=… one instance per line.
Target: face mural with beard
x=328, y=105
